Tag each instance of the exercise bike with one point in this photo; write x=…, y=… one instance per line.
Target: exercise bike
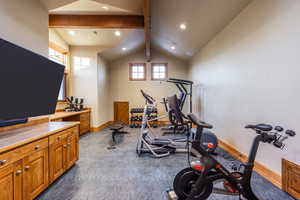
x=197, y=182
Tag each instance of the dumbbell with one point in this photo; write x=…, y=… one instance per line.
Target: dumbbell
x=140, y=118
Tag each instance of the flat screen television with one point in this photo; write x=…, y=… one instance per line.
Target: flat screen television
x=29, y=84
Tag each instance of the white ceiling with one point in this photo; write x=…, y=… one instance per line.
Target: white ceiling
x=93, y=37
x=204, y=19
x=88, y=7
x=94, y=6
x=132, y=42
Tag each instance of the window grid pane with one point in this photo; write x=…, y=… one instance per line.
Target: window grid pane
x=159, y=71
x=137, y=72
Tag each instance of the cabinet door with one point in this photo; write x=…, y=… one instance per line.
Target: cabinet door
x=35, y=173
x=72, y=150
x=11, y=182
x=58, y=159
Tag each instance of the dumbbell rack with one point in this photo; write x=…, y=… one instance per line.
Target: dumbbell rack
x=136, y=118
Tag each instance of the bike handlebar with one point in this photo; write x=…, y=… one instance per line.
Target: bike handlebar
x=267, y=136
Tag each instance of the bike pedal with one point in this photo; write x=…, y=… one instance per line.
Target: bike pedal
x=172, y=195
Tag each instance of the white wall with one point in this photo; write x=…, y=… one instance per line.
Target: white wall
x=122, y=89
x=90, y=83
x=249, y=73
x=103, y=91
x=25, y=23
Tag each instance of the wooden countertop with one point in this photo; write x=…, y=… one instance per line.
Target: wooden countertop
x=18, y=137
x=60, y=115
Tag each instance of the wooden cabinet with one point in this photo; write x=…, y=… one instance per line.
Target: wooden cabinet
x=63, y=152
x=85, y=125
x=72, y=149
x=11, y=182
x=27, y=170
x=84, y=117
x=291, y=178
x=121, y=111
x=35, y=173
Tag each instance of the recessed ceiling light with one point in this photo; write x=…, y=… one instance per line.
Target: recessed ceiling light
x=105, y=7
x=189, y=53
x=118, y=33
x=72, y=32
x=173, y=47
x=124, y=48
x=182, y=26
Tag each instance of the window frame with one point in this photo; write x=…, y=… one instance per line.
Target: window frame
x=65, y=54
x=65, y=89
x=152, y=71
x=130, y=72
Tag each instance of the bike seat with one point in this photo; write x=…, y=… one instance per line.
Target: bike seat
x=260, y=127
x=198, y=122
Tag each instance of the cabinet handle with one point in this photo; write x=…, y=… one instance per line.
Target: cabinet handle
x=27, y=167
x=2, y=162
x=18, y=172
x=37, y=147
x=65, y=145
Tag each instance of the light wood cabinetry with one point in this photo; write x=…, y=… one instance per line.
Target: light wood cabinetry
x=84, y=117
x=291, y=178
x=35, y=177
x=64, y=151
x=85, y=125
x=11, y=182
x=28, y=169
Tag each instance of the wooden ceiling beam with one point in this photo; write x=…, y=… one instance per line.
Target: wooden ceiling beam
x=147, y=28
x=96, y=21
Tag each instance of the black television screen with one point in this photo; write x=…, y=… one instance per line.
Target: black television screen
x=29, y=83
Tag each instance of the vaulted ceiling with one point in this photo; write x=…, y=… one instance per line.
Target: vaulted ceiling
x=203, y=20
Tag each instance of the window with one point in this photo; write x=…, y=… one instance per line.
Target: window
x=81, y=63
x=137, y=72
x=60, y=58
x=159, y=71
x=57, y=56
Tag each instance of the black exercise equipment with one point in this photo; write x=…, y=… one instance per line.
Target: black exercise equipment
x=116, y=130
x=179, y=118
x=74, y=104
x=197, y=181
x=137, y=117
x=161, y=147
x=185, y=88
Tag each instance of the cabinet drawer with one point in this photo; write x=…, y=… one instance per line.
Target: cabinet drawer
x=18, y=153
x=59, y=137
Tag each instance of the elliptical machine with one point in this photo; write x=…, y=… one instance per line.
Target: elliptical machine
x=197, y=181
x=159, y=147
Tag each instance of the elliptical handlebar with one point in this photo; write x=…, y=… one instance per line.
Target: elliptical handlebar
x=180, y=81
x=148, y=98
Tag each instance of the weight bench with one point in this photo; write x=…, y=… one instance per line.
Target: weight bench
x=116, y=130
